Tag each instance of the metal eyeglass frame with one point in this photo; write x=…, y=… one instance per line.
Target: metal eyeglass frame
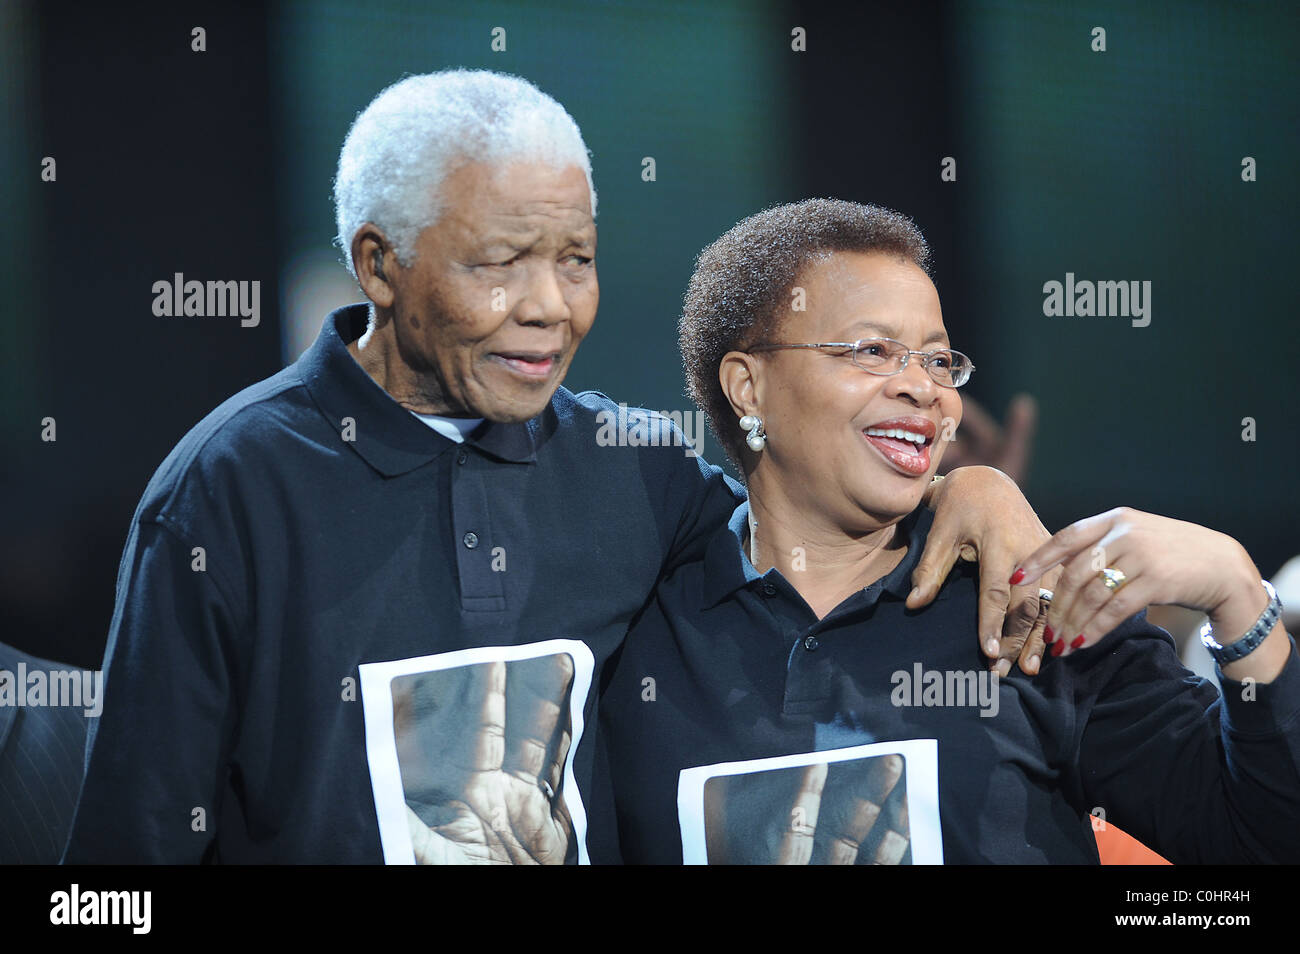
x=856, y=346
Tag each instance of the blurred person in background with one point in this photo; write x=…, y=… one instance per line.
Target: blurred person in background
x=42, y=748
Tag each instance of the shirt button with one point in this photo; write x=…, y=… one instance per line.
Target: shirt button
x=461, y=457
x=769, y=589
x=811, y=643
x=470, y=540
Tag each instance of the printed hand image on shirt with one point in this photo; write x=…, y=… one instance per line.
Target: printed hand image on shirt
x=482, y=750
x=844, y=813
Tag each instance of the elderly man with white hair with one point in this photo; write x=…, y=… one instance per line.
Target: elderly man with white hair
x=365, y=604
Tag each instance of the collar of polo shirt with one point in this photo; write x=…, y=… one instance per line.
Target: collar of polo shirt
x=727, y=566
x=386, y=435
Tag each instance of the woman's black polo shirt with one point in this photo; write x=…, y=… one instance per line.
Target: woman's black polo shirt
x=727, y=665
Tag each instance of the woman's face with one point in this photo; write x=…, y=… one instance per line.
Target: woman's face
x=821, y=411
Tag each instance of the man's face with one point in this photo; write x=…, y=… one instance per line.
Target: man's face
x=502, y=291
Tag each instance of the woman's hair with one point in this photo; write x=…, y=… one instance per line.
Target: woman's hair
x=412, y=135
x=743, y=283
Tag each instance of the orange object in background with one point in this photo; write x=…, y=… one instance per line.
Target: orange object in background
x=1118, y=847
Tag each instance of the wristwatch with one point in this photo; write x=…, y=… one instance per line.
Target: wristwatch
x=1250, y=642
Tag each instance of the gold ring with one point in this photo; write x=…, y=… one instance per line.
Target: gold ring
x=1113, y=578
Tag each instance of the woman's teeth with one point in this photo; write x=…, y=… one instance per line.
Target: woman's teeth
x=896, y=433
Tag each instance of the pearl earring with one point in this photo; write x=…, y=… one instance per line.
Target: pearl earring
x=756, y=440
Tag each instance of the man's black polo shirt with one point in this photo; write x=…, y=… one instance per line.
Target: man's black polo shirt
x=311, y=525
x=727, y=666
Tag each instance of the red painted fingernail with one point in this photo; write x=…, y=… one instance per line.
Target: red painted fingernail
x=1058, y=648
x=1077, y=641
x=1048, y=635
x=1017, y=576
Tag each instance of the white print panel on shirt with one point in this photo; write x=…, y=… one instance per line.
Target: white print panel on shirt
x=469, y=749
x=866, y=804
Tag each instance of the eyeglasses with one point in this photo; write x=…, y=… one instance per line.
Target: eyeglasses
x=885, y=356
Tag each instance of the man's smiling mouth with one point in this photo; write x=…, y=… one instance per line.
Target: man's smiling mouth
x=530, y=364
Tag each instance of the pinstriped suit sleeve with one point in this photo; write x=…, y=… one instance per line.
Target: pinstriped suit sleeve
x=42, y=751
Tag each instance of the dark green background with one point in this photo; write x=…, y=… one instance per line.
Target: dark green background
x=1122, y=165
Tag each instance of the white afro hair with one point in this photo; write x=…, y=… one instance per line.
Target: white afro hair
x=402, y=146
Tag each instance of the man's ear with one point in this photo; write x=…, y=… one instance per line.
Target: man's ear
x=739, y=375
x=374, y=262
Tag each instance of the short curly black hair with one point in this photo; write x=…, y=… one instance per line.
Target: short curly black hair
x=743, y=282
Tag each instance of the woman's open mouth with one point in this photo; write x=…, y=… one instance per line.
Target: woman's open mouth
x=905, y=445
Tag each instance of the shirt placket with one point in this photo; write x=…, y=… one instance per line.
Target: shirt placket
x=482, y=590
x=810, y=670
